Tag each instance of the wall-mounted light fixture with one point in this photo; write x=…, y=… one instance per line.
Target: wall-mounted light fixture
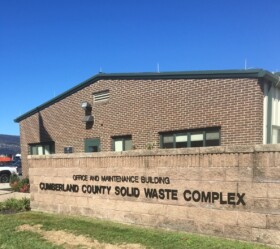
x=88, y=118
x=85, y=105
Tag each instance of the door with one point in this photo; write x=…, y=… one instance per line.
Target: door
x=92, y=145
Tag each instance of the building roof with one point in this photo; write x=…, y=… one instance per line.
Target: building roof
x=208, y=74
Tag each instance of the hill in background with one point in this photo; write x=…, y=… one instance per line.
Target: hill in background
x=9, y=144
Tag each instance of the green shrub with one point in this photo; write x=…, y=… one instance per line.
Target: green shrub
x=19, y=185
x=14, y=180
x=15, y=205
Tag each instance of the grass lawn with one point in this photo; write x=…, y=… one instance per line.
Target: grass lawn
x=39, y=231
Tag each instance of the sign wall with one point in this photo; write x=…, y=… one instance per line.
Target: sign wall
x=232, y=192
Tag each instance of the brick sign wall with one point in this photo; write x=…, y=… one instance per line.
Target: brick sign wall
x=232, y=191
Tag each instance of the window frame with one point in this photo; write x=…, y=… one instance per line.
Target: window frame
x=122, y=139
x=91, y=142
x=189, y=133
x=275, y=128
x=43, y=145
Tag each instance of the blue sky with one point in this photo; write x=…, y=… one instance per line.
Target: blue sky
x=49, y=46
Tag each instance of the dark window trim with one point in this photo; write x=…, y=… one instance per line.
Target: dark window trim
x=189, y=132
x=51, y=144
x=90, y=140
x=120, y=138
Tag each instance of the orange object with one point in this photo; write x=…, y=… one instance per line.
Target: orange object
x=5, y=159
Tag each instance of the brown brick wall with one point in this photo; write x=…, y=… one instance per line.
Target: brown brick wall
x=250, y=170
x=142, y=108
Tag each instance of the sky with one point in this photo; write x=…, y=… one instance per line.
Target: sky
x=49, y=46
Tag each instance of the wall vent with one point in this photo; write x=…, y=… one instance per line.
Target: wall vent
x=101, y=96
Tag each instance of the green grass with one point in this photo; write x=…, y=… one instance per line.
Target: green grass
x=103, y=231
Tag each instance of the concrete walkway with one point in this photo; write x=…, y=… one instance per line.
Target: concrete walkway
x=7, y=193
x=4, y=186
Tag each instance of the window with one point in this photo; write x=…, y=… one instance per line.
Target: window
x=212, y=138
x=92, y=145
x=191, y=138
x=122, y=143
x=181, y=140
x=275, y=134
x=41, y=148
x=101, y=96
x=196, y=139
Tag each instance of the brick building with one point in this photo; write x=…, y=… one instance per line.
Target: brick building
x=156, y=110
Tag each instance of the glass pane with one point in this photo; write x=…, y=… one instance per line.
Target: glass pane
x=212, y=135
x=197, y=140
x=197, y=137
x=181, y=144
x=275, y=135
x=92, y=148
x=181, y=141
x=181, y=138
x=212, y=142
x=34, y=150
x=196, y=143
x=47, y=149
x=92, y=145
x=118, y=145
x=167, y=145
x=168, y=139
x=128, y=144
x=40, y=150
